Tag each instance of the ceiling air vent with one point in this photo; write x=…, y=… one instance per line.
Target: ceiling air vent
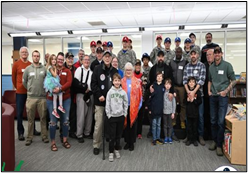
x=97, y=23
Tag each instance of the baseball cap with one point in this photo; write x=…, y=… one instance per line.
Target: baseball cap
x=177, y=39
x=69, y=54
x=193, y=50
x=99, y=49
x=160, y=53
x=159, y=37
x=125, y=39
x=217, y=49
x=104, y=43
x=145, y=55
x=167, y=39
x=187, y=40
x=109, y=44
x=93, y=43
x=192, y=34
x=99, y=42
x=107, y=52
x=137, y=62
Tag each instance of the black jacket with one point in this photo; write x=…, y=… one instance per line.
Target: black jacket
x=205, y=49
x=167, y=74
x=101, y=82
x=192, y=108
x=156, y=103
x=177, y=71
x=94, y=64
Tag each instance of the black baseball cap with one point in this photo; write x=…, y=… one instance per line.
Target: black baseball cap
x=69, y=54
x=145, y=55
x=193, y=50
x=160, y=53
x=99, y=50
x=99, y=42
x=192, y=34
x=107, y=52
x=137, y=62
x=217, y=49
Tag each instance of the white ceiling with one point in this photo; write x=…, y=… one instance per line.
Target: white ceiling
x=40, y=16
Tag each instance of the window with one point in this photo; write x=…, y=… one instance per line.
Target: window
x=72, y=45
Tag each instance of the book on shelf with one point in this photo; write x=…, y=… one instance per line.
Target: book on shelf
x=227, y=142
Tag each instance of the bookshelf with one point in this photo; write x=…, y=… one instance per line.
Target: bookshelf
x=234, y=147
x=238, y=93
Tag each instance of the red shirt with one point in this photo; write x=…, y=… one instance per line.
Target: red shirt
x=138, y=76
x=77, y=64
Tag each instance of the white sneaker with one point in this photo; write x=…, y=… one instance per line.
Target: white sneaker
x=111, y=157
x=117, y=154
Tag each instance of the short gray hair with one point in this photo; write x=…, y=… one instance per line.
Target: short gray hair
x=128, y=64
x=23, y=47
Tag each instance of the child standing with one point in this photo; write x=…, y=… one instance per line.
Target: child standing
x=156, y=108
x=169, y=112
x=192, y=112
x=116, y=111
x=52, y=81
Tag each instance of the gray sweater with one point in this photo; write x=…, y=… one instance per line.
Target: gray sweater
x=169, y=106
x=116, y=102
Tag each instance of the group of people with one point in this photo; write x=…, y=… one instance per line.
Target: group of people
x=114, y=93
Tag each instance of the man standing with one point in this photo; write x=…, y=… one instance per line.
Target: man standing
x=21, y=92
x=93, y=51
x=193, y=45
x=155, y=50
x=221, y=81
x=80, y=58
x=207, y=123
x=169, y=54
x=33, y=79
x=186, y=52
x=125, y=55
x=99, y=43
x=98, y=60
x=198, y=70
x=104, y=46
x=100, y=84
x=110, y=48
x=177, y=42
x=209, y=45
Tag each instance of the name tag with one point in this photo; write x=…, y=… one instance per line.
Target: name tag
x=23, y=70
x=162, y=72
x=195, y=71
x=31, y=74
x=221, y=72
x=41, y=72
x=180, y=67
x=129, y=85
x=64, y=73
x=110, y=79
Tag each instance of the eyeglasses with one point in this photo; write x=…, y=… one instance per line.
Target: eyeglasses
x=60, y=59
x=24, y=52
x=86, y=59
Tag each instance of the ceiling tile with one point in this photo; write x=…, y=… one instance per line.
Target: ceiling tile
x=57, y=9
x=48, y=4
x=198, y=16
x=117, y=5
x=111, y=21
x=217, y=15
x=159, y=19
x=126, y=20
x=144, y=19
x=235, y=15
x=178, y=17
x=78, y=8
x=139, y=4
x=158, y=4
x=93, y=6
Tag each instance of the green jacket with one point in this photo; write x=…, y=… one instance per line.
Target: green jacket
x=32, y=79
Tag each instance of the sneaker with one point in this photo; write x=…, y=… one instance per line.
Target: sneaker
x=219, y=151
x=56, y=114
x=139, y=136
x=131, y=147
x=126, y=147
x=96, y=151
x=166, y=140
x=45, y=140
x=111, y=157
x=159, y=141
x=61, y=109
x=117, y=154
x=28, y=142
x=81, y=140
x=195, y=143
x=170, y=140
x=183, y=125
x=188, y=143
x=153, y=142
x=212, y=146
x=201, y=140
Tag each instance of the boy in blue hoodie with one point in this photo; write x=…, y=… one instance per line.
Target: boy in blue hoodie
x=116, y=110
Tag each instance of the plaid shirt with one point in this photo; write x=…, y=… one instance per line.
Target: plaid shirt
x=198, y=71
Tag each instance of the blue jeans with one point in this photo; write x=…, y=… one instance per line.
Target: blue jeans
x=156, y=127
x=64, y=118
x=201, y=119
x=20, y=105
x=218, y=109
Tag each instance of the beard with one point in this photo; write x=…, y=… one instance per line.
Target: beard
x=160, y=63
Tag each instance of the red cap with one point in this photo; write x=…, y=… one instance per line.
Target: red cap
x=125, y=39
x=93, y=43
x=159, y=37
x=104, y=43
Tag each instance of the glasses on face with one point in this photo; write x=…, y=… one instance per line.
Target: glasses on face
x=86, y=59
x=24, y=52
x=60, y=60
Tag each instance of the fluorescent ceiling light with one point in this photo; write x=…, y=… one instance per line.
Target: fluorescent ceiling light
x=54, y=33
x=85, y=38
x=136, y=36
x=235, y=44
x=237, y=51
x=162, y=28
x=88, y=31
x=34, y=40
x=203, y=27
x=123, y=30
x=22, y=34
x=236, y=26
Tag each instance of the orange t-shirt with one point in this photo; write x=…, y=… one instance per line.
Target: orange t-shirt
x=17, y=72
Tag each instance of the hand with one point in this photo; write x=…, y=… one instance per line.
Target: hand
x=102, y=99
x=87, y=91
x=175, y=94
x=172, y=116
x=191, y=95
x=150, y=112
x=209, y=93
x=146, y=107
x=151, y=89
x=56, y=90
x=222, y=93
x=170, y=96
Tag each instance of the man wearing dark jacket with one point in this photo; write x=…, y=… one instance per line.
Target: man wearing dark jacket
x=98, y=59
x=208, y=46
x=100, y=84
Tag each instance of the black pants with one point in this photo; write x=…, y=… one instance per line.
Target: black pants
x=130, y=132
x=207, y=123
x=115, y=131
x=192, y=128
x=167, y=125
x=142, y=112
x=73, y=118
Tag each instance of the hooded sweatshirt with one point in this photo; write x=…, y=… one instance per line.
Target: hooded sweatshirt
x=116, y=102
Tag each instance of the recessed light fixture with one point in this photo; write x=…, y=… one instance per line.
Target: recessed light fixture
x=162, y=28
x=123, y=30
x=98, y=31
x=237, y=26
x=22, y=34
x=54, y=33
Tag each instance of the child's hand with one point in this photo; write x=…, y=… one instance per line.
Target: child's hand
x=172, y=116
x=188, y=99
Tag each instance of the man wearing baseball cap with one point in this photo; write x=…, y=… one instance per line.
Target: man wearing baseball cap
x=198, y=70
x=193, y=45
x=125, y=55
x=93, y=51
x=110, y=48
x=104, y=46
x=98, y=60
x=169, y=54
x=155, y=50
x=177, y=42
x=186, y=52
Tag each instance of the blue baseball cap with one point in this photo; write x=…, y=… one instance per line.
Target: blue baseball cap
x=177, y=39
x=187, y=40
x=167, y=39
x=145, y=55
x=109, y=44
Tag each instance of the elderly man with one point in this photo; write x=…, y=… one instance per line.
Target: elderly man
x=80, y=58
